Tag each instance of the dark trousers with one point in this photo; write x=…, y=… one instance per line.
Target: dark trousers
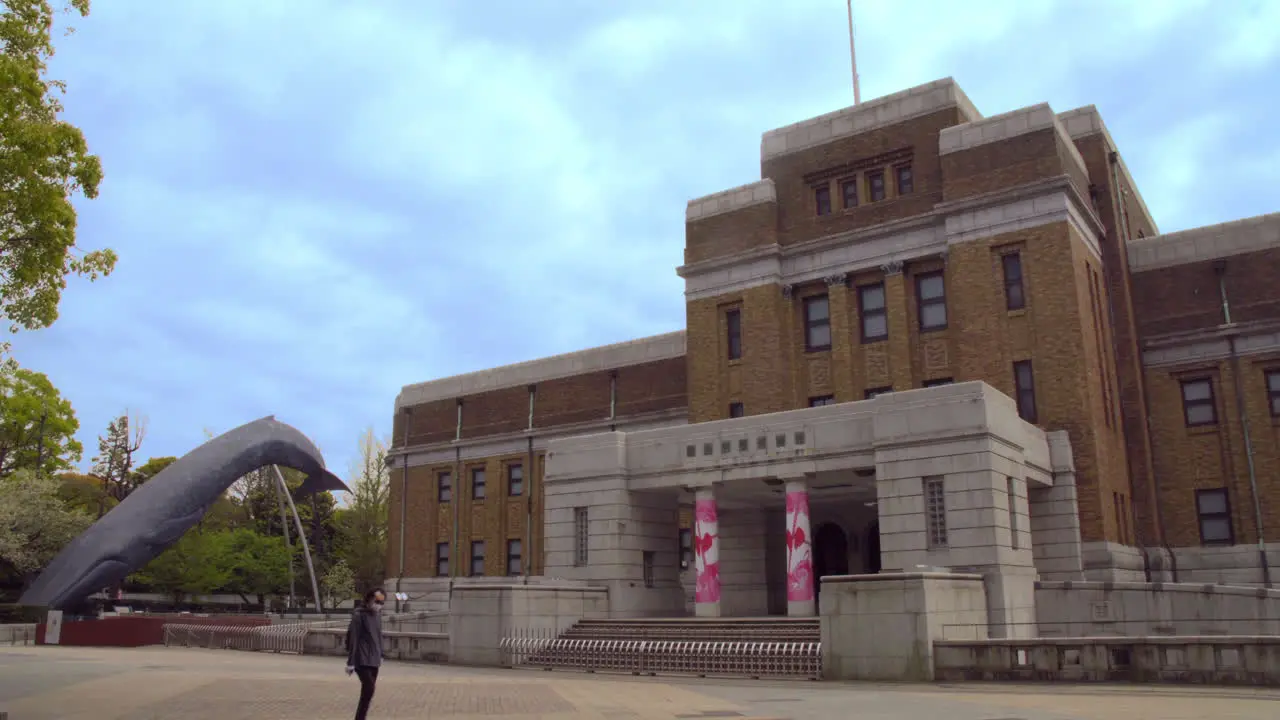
x=368, y=679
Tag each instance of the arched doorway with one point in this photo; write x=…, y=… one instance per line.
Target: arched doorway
x=830, y=553
x=873, y=549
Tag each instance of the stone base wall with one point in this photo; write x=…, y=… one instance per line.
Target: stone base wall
x=481, y=615
x=1235, y=565
x=882, y=627
x=1091, y=609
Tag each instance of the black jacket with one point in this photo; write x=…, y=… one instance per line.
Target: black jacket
x=364, y=639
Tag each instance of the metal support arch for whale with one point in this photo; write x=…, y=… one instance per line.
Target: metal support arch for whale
x=156, y=515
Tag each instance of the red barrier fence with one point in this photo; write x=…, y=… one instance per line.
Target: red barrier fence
x=137, y=630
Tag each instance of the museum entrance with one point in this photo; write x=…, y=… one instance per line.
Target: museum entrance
x=830, y=553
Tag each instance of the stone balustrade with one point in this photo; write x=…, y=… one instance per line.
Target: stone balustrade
x=1218, y=660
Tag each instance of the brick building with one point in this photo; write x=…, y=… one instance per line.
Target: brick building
x=899, y=245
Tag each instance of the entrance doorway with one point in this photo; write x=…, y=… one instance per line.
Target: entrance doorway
x=830, y=553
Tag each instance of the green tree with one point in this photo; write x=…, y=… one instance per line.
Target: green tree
x=259, y=565
x=84, y=492
x=364, y=522
x=44, y=162
x=35, y=523
x=35, y=422
x=339, y=584
x=114, y=461
x=150, y=469
x=199, y=563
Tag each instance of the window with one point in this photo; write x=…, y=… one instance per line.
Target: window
x=872, y=392
x=817, y=323
x=647, y=559
x=931, y=296
x=515, y=480
x=1214, y=511
x=875, y=185
x=935, y=510
x=849, y=192
x=875, y=319
x=821, y=400
x=686, y=548
x=1198, y=407
x=514, y=566
x=1014, y=297
x=733, y=327
x=1273, y=392
x=444, y=487
x=477, y=484
x=442, y=559
x=938, y=382
x=477, y=557
x=580, y=528
x=1013, y=512
x=1024, y=390
x=822, y=199
x=736, y=410
x=906, y=182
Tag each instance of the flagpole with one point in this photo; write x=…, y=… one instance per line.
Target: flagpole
x=853, y=57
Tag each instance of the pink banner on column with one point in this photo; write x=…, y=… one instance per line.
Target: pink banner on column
x=706, y=531
x=799, y=554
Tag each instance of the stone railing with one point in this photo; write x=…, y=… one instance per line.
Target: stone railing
x=417, y=646
x=1219, y=660
x=1139, y=609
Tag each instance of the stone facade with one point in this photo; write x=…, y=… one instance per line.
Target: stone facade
x=895, y=245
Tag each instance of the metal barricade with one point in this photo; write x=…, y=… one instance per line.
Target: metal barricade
x=680, y=657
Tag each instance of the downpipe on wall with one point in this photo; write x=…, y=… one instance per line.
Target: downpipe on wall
x=1220, y=269
x=1122, y=219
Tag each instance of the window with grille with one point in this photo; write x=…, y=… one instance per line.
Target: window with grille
x=1024, y=386
x=1013, y=513
x=686, y=548
x=817, y=323
x=931, y=299
x=1015, y=297
x=1198, y=407
x=444, y=487
x=477, y=484
x=1273, y=392
x=442, y=559
x=733, y=331
x=515, y=480
x=648, y=568
x=736, y=410
x=875, y=319
x=821, y=400
x=477, y=557
x=935, y=509
x=875, y=185
x=514, y=564
x=822, y=199
x=580, y=528
x=849, y=191
x=1214, y=510
x=906, y=181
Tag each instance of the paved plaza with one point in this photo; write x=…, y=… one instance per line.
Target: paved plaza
x=44, y=683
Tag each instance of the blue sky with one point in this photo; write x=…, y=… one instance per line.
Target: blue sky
x=316, y=202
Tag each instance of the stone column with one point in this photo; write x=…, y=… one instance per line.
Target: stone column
x=706, y=541
x=800, y=597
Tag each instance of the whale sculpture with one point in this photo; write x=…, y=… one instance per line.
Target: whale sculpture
x=157, y=514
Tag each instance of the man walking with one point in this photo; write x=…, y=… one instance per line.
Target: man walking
x=364, y=646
